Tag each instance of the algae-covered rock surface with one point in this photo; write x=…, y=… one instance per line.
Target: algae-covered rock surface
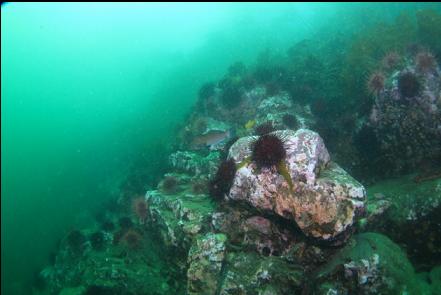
x=409, y=212
x=369, y=264
x=319, y=196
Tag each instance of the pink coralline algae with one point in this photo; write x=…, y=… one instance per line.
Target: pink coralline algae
x=324, y=201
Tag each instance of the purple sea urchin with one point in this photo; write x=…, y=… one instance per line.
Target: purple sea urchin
x=223, y=179
x=290, y=121
x=264, y=128
x=408, y=84
x=140, y=208
x=268, y=150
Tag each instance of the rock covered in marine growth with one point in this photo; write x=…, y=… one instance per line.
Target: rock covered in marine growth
x=250, y=273
x=406, y=116
x=205, y=259
x=401, y=203
x=194, y=164
x=322, y=199
x=369, y=264
x=275, y=108
x=178, y=218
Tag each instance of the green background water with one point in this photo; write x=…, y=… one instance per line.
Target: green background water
x=88, y=88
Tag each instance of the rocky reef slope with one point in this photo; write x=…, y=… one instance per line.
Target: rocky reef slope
x=255, y=203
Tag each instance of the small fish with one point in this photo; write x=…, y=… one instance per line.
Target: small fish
x=250, y=124
x=211, y=139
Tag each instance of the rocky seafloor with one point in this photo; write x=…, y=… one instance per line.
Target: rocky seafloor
x=229, y=219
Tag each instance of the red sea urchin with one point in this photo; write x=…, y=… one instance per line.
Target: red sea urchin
x=391, y=60
x=268, y=150
x=425, y=61
x=140, y=208
x=132, y=239
x=221, y=183
x=169, y=185
x=376, y=82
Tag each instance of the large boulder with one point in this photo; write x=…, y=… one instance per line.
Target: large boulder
x=406, y=117
x=322, y=199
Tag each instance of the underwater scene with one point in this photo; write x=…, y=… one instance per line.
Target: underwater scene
x=220, y=148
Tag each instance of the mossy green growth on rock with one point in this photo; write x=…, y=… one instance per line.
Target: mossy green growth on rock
x=369, y=264
x=435, y=280
x=407, y=196
x=408, y=213
x=179, y=218
x=250, y=273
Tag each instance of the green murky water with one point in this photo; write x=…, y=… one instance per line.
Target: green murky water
x=95, y=95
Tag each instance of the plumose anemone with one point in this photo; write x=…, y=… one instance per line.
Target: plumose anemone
x=408, y=84
x=376, y=82
x=268, y=150
x=223, y=179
